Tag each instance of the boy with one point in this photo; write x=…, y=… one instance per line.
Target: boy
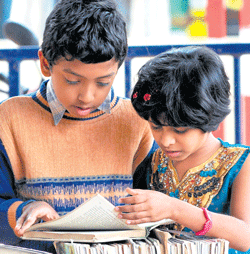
x=73, y=137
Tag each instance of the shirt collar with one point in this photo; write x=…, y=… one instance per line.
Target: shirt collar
x=58, y=110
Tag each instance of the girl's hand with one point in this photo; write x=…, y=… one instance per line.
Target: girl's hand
x=144, y=206
x=32, y=213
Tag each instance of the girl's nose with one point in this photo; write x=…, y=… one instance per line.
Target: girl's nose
x=167, y=139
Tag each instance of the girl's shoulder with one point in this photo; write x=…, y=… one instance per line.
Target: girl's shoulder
x=239, y=151
x=229, y=145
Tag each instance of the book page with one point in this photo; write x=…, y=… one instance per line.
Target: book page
x=9, y=249
x=95, y=214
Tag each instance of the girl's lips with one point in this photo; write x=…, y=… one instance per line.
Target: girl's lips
x=172, y=154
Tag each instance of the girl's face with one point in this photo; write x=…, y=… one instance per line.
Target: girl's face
x=180, y=143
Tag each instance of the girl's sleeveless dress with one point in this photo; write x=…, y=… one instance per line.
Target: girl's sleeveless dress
x=208, y=185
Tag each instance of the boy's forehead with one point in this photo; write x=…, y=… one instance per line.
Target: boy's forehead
x=69, y=60
x=78, y=68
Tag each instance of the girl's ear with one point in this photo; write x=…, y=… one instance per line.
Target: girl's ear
x=44, y=65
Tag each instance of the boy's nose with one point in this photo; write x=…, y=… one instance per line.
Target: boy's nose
x=86, y=95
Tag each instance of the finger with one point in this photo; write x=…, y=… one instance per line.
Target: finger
x=134, y=192
x=138, y=221
x=51, y=216
x=133, y=215
x=127, y=200
x=19, y=222
x=131, y=208
x=135, y=218
x=136, y=199
x=28, y=222
x=131, y=191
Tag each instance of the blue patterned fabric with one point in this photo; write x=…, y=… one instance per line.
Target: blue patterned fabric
x=220, y=202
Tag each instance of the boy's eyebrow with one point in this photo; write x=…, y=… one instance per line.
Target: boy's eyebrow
x=78, y=75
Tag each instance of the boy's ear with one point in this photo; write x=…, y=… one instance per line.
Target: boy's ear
x=44, y=64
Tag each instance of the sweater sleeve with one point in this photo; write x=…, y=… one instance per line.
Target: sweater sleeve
x=10, y=205
x=144, y=148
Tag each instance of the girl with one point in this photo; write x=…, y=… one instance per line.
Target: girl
x=195, y=179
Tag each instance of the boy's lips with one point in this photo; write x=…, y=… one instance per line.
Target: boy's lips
x=83, y=111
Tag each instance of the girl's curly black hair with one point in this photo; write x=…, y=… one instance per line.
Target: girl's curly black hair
x=182, y=87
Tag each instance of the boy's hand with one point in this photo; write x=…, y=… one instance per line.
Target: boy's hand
x=144, y=206
x=32, y=213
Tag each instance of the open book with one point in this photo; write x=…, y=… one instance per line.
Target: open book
x=93, y=221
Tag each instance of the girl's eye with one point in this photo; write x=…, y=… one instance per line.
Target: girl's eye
x=72, y=82
x=180, y=130
x=156, y=127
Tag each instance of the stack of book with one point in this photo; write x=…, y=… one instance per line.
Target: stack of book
x=94, y=228
x=174, y=245
x=143, y=246
x=177, y=242
x=195, y=245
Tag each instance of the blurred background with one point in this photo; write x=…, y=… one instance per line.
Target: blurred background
x=149, y=23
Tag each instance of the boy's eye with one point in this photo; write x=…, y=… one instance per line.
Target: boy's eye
x=102, y=84
x=72, y=82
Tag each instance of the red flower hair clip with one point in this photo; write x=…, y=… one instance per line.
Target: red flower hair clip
x=135, y=95
x=147, y=97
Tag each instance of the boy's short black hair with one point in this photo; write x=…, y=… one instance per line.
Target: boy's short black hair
x=90, y=31
x=184, y=87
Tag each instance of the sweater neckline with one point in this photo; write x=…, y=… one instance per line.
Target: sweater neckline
x=40, y=97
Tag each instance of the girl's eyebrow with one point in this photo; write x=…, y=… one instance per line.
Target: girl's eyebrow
x=185, y=127
x=156, y=123
x=78, y=75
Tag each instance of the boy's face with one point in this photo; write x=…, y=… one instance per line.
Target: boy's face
x=80, y=87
